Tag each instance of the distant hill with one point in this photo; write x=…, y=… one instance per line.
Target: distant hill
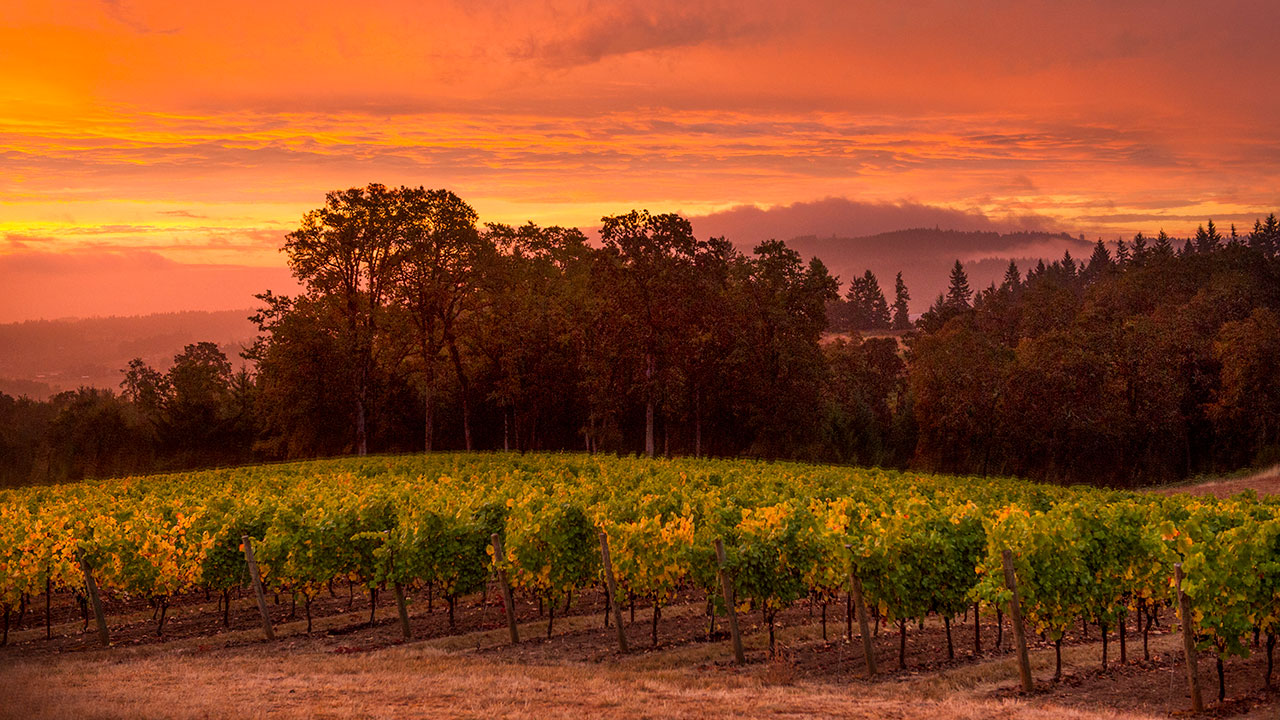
x=39, y=358
x=925, y=256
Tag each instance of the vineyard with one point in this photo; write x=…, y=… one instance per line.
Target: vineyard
x=746, y=538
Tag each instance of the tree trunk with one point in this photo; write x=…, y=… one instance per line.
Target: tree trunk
x=362, y=443
x=226, y=608
x=551, y=614
x=164, y=606
x=657, y=613
x=1146, y=629
x=1124, y=652
x=465, y=386
x=1057, y=660
x=848, y=617
x=1271, y=645
x=902, y=644
x=951, y=650
x=773, y=645
x=697, y=424
x=1103, y=628
x=999, y=628
x=1222, y=681
x=649, y=362
x=977, y=630
x=429, y=413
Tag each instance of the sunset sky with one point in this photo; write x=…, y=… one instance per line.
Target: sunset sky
x=158, y=134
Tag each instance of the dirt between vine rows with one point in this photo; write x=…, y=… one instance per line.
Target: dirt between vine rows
x=580, y=639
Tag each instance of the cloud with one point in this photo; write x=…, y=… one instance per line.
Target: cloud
x=125, y=13
x=632, y=27
x=749, y=225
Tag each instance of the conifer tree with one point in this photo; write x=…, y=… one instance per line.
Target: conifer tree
x=1266, y=235
x=868, y=309
x=958, y=293
x=901, y=313
x=1069, y=263
x=1100, y=258
x=1207, y=240
x=1012, y=277
x=1140, y=250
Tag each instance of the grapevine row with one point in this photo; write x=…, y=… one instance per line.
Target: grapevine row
x=918, y=545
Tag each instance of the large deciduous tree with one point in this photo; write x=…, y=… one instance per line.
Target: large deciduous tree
x=439, y=257
x=345, y=254
x=649, y=263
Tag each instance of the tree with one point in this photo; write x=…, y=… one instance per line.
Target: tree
x=649, y=260
x=867, y=307
x=1266, y=236
x=199, y=403
x=439, y=259
x=958, y=292
x=1012, y=278
x=540, y=333
x=301, y=411
x=901, y=312
x=1140, y=249
x=344, y=253
x=1247, y=405
x=784, y=318
x=1207, y=240
x=1099, y=262
x=1164, y=245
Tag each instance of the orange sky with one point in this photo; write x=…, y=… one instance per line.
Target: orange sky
x=200, y=132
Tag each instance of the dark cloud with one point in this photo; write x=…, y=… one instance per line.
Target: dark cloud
x=631, y=27
x=749, y=225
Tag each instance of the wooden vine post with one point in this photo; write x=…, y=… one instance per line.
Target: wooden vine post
x=507, y=602
x=726, y=586
x=612, y=589
x=256, y=578
x=1015, y=613
x=864, y=625
x=1188, y=640
x=91, y=586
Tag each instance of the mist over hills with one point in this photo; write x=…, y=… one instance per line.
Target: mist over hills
x=925, y=256
x=852, y=236
x=39, y=358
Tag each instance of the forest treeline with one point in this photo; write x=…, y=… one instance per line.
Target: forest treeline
x=420, y=328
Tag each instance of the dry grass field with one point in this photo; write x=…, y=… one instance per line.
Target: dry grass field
x=349, y=669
